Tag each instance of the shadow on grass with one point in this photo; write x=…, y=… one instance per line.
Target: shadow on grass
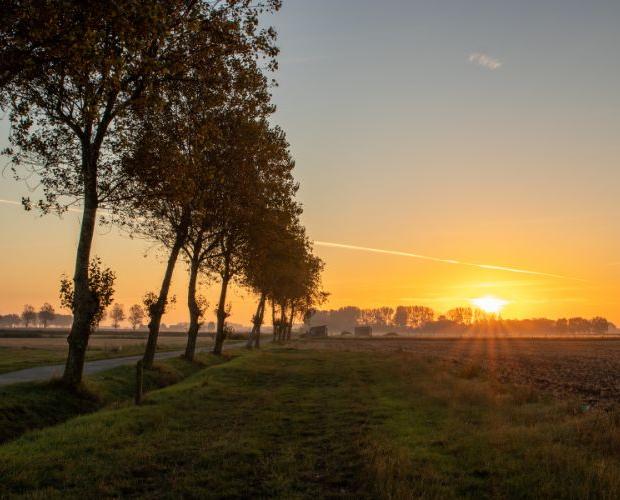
x=35, y=405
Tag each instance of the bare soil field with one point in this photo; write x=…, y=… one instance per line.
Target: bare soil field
x=588, y=369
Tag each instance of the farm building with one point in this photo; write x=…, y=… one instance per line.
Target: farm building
x=363, y=331
x=318, y=331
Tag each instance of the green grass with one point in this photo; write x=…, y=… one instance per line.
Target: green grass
x=303, y=424
x=35, y=405
x=19, y=358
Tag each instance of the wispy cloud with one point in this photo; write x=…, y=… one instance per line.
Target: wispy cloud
x=445, y=261
x=77, y=210
x=485, y=60
x=10, y=202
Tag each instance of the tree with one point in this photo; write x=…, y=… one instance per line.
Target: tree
x=101, y=288
x=75, y=77
x=198, y=306
x=460, y=315
x=561, y=325
x=117, y=313
x=9, y=320
x=46, y=314
x=150, y=300
x=344, y=318
x=136, y=315
x=294, y=282
x=197, y=131
x=383, y=316
x=29, y=315
x=420, y=316
x=599, y=325
x=401, y=316
x=260, y=183
x=578, y=325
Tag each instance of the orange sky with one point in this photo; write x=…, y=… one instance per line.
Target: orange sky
x=34, y=260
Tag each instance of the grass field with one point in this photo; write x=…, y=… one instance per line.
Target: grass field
x=32, y=405
x=312, y=424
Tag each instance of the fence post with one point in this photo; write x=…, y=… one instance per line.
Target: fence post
x=139, y=377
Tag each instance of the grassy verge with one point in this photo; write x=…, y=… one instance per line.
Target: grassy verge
x=303, y=424
x=29, y=406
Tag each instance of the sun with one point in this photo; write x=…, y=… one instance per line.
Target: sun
x=489, y=304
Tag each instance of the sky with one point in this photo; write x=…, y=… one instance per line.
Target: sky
x=472, y=132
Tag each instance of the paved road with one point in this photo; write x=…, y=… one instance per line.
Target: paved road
x=40, y=373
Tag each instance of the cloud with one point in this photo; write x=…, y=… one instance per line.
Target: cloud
x=10, y=202
x=485, y=60
x=77, y=210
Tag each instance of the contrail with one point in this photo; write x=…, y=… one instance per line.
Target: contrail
x=445, y=261
x=10, y=202
x=406, y=254
x=19, y=203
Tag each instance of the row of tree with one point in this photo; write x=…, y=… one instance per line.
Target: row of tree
x=380, y=318
x=159, y=111
x=45, y=316
x=457, y=320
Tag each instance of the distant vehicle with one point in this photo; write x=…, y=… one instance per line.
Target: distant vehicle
x=363, y=331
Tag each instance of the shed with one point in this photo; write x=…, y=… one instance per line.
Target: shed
x=318, y=331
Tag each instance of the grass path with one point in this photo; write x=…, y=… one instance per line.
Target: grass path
x=307, y=424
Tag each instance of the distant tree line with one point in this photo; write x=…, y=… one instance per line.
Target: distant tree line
x=423, y=319
x=30, y=317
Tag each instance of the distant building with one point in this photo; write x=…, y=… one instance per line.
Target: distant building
x=363, y=331
x=318, y=331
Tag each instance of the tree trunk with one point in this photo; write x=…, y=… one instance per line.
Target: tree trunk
x=273, y=321
x=282, y=322
x=257, y=322
x=84, y=304
x=221, y=310
x=289, y=327
x=194, y=308
x=158, y=309
x=258, y=332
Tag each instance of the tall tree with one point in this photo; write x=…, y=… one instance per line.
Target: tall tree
x=74, y=76
x=117, y=314
x=184, y=212
x=136, y=316
x=29, y=315
x=262, y=181
x=101, y=283
x=46, y=314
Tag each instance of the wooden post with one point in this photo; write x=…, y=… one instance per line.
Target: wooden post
x=139, y=377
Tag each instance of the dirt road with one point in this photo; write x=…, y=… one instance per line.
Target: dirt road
x=40, y=373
